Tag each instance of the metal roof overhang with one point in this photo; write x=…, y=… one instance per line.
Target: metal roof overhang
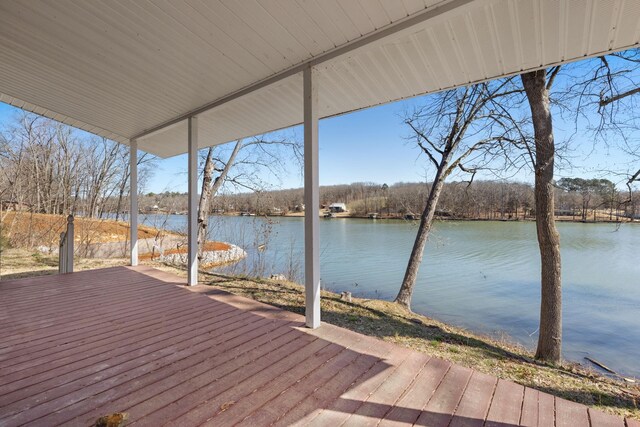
x=131, y=69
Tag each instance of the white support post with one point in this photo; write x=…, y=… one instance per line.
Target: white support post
x=192, y=262
x=311, y=201
x=133, y=200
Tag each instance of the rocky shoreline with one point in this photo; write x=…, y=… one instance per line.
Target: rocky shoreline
x=209, y=258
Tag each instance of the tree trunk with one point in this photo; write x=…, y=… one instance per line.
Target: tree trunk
x=411, y=274
x=203, y=205
x=209, y=190
x=550, y=338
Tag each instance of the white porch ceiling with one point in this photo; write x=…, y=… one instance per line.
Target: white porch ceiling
x=120, y=68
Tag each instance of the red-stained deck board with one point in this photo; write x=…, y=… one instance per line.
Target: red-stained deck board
x=313, y=372
x=546, y=410
x=74, y=393
x=505, y=405
x=439, y=411
x=337, y=411
x=64, y=370
x=409, y=407
x=632, y=423
x=264, y=409
x=600, y=419
x=538, y=409
x=382, y=400
x=78, y=346
x=101, y=335
x=570, y=414
x=54, y=317
x=221, y=358
x=206, y=395
x=299, y=401
x=107, y=348
x=68, y=319
x=474, y=405
x=364, y=374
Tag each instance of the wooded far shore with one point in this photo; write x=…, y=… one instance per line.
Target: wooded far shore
x=594, y=200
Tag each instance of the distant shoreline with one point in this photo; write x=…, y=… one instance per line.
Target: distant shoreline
x=441, y=218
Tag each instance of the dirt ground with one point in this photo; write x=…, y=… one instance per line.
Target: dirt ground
x=29, y=229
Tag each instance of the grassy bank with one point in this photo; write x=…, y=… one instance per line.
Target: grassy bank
x=389, y=322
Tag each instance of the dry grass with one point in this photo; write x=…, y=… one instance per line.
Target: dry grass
x=19, y=263
x=390, y=322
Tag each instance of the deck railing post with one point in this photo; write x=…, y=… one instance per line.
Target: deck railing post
x=311, y=200
x=69, y=245
x=192, y=261
x=65, y=248
x=62, y=252
x=133, y=201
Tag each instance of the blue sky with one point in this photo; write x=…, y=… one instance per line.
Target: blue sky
x=363, y=146
x=371, y=145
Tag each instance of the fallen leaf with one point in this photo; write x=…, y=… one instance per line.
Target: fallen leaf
x=226, y=406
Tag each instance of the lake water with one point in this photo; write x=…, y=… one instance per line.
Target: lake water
x=483, y=276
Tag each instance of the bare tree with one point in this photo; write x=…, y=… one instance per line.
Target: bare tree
x=210, y=188
x=244, y=166
x=464, y=129
x=55, y=169
x=537, y=86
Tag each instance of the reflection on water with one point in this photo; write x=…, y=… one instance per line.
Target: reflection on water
x=480, y=275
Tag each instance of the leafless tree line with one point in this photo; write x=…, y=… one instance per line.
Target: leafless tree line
x=482, y=199
x=48, y=167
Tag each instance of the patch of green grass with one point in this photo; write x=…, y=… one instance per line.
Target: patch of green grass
x=44, y=260
x=4, y=240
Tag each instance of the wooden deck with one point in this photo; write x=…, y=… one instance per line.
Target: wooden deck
x=79, y=346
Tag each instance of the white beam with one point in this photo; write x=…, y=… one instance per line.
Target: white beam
x=192, y=260
x=311, y=200
x=133, y=200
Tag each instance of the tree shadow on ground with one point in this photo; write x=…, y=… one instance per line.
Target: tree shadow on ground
x=594, y=397
x=27, y=274
x=371, y=321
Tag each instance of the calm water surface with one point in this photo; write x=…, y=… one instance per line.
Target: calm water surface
x=483, y=276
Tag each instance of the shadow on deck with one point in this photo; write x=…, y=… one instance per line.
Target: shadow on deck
x=79, y=346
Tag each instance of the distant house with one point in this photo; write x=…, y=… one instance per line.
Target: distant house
x=337, y=207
